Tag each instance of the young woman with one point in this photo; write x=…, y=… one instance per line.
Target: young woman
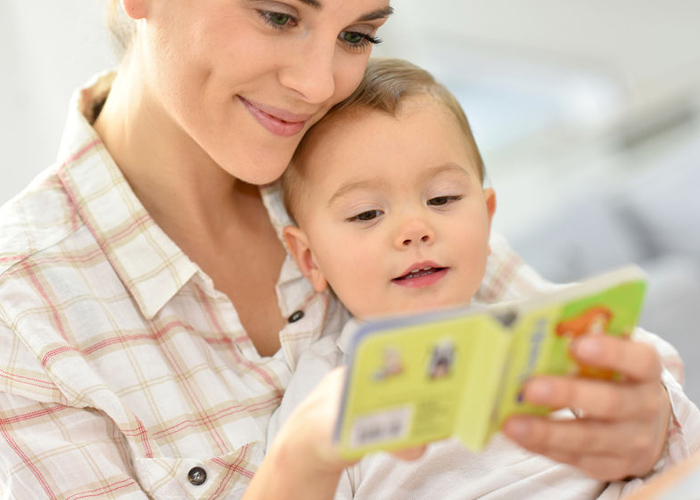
x=149, y=315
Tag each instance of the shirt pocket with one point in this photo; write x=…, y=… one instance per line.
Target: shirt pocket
x=225, y=476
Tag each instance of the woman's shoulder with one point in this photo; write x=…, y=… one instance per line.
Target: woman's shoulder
x=39, y=217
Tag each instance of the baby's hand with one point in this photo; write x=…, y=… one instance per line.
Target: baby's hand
x=303, y=461
x=621, y=426
x=309, y=429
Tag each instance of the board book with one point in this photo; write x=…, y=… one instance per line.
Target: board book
x=414, y=379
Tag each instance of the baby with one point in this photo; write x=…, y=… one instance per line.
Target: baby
x=391, y=213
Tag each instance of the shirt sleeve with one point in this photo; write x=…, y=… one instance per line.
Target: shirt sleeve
x=49, y=449
x=684, y=426
x=58, y=452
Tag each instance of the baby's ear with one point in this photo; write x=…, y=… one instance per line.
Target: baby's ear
x=298, y=244
x=490, y=198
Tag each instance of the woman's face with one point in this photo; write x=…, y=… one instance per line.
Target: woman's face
x=245, y=79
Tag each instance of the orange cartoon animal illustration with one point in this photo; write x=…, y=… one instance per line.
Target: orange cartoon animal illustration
x=593, y=321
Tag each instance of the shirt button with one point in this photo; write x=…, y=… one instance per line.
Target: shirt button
x=296, y=316
x=197, y=476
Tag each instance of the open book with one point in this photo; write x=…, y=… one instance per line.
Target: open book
x=413, y=379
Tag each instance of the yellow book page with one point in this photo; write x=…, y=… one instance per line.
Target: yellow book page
x=489, y=343
x=415, y=383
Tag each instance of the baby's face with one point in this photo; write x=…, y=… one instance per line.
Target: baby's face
x=394, y=211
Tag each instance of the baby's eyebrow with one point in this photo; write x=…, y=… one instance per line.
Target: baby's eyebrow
x=448, y=167
x=354, y=186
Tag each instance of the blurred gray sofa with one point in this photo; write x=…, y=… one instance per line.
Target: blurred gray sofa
x=652, y=220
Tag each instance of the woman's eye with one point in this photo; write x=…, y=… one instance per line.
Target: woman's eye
x=442, y=200
x=366, y=216
x=356, y=39
x=352, y=37
x=278, y=19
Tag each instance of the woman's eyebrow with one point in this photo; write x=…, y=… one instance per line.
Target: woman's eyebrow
x=369, y=16
x=377, y=14
x=312, y=3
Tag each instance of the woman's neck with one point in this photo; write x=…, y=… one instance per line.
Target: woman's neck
x=177, y=182
x=218, y=221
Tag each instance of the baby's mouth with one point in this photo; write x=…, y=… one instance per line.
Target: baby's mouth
x=417, y=273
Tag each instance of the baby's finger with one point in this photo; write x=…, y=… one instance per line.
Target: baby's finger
x=634, y=360
x=410, y=454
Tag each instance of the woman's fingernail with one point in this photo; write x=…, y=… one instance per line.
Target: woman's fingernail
x=518, y=429
x=540, y=391
x=587, y=349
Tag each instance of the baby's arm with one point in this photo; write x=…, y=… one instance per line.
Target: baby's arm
x=301, y=461
x=314, y=363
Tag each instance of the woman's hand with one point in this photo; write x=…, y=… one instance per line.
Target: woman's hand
x=621, y=426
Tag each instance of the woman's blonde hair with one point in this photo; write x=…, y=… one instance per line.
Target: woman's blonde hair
x=386, y=84
x=120, y=27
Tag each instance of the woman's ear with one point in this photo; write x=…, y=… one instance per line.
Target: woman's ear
x=135, y=9
x=298, y=244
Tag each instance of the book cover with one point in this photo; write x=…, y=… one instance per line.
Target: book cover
x=417, y=378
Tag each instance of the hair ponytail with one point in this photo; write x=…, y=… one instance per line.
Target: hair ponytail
x=120, y=27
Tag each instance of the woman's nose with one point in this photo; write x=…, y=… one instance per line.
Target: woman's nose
x=309, y=70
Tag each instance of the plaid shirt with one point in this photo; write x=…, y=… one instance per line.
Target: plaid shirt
x=123, y=372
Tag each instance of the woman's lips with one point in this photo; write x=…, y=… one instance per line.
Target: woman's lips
x=277, y=121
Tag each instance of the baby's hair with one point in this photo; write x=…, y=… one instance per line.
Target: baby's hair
x=387, y=83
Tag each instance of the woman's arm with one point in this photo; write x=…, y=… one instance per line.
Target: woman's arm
x=58, y=452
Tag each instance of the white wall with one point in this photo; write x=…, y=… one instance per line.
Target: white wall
x=47, y=48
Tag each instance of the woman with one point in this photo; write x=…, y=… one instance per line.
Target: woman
x=149, y=315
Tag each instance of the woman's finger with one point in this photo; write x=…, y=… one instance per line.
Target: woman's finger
x=600, y=467
x=598, y=399
x=633, y=360
x=582, y=437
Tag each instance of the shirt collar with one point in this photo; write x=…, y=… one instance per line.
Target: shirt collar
x=150, y=265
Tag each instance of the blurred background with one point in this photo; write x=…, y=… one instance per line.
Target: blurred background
x=587, y=114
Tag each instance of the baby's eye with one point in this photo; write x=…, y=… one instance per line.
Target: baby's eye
x=366, y=216
x=443, y=200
